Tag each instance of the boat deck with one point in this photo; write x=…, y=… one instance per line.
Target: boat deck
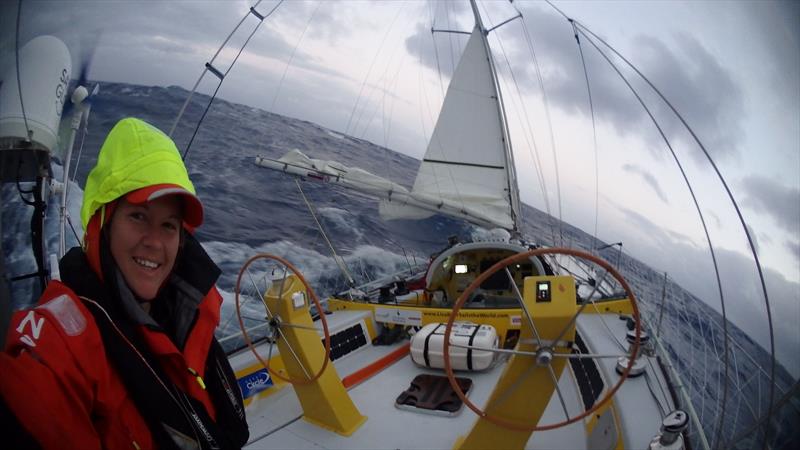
x=276, y=421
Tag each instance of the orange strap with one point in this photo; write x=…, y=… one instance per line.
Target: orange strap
x=370, y=370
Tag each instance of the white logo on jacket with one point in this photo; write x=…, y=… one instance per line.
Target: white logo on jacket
x=65, y=312
x=35, y=325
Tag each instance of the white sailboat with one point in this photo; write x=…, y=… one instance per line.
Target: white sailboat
x=467, y=172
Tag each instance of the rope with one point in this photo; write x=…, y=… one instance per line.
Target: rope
x=339, y=261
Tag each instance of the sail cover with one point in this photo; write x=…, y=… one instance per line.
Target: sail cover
x=464, y=167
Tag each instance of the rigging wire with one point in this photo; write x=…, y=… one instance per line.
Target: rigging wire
x=433, y=167
x=508, y=153
x=762, y=421
x=28, y=131
x=291, y=57
x=338, y=259
x=702, y=221
x=594, y=136
x=450, y=36
x=80, y=152
x=546, y=104
x=529, y=136
x=209, y=67
x=379, y=104
x=741, y=220
x=436, y=54
x=745, y=228
x=74, y=232
x=369, y=71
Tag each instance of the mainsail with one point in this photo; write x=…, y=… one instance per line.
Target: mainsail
x=468, y=169
x=466, y=165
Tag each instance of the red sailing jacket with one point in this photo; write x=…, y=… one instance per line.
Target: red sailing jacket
x=57, y=380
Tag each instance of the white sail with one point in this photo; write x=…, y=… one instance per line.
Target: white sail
x=465, y=166
x=391, y=194
x=467, y=171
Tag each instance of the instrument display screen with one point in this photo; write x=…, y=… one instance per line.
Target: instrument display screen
x=543, y=291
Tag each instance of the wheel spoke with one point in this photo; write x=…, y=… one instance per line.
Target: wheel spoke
x=270, y=316
x=583, y=306
x=543, y=350
x=240, y=333
x=271, y=346
x=558, y=389
x=254, y=319
x=502, y=351
x=586, y=356
x=299, y=327
x=294, y=355
x=283, y=282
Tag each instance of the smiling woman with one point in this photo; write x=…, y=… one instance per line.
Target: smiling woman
x=122, y=349
x=144, y=243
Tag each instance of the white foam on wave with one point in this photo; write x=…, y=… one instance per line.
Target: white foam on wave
x=479, y=234
x=335, y=134
x=342, y=220
x=363, y=261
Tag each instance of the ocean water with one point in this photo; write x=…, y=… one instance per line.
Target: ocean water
x=252, y=210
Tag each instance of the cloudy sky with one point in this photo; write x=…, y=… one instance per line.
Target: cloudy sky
x=373, y=70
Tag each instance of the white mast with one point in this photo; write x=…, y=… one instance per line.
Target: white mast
x=513, y=187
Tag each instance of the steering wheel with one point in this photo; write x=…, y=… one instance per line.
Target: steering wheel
x=273, y=322
x=502, y=265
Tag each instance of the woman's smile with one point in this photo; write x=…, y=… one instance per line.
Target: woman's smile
x=144, y=243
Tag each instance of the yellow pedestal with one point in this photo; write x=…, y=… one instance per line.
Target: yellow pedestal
x=525, y=388
x=325, y=401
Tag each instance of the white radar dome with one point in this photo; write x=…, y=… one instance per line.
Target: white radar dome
x=45, y=67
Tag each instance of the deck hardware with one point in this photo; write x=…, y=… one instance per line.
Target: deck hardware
x=639, y=364
x=671, y=435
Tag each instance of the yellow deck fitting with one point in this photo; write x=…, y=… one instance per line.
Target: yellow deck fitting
x=325, y=401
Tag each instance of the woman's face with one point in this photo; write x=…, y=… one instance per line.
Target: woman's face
x=144, y=243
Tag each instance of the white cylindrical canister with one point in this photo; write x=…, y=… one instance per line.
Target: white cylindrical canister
x=45, y=66
x=427, y=346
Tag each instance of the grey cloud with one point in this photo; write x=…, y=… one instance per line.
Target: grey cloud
x=648, y=178
x=444, y=57
x=777, y=23
x=686, y=72
x=714, y=216
x=781, y=203
x=168, y=45
x=690, y=266
x=794, y=249
x=701, y=89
